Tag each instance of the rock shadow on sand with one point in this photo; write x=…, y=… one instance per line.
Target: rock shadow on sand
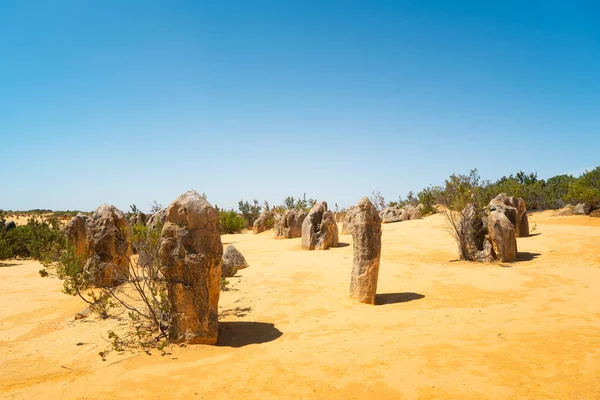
x=526, y=256
x=7, y=264
x=242, y=333
x=393, y=298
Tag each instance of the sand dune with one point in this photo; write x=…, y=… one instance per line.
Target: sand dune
x=442, y=329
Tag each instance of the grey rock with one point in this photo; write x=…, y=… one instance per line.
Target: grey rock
x=582, y=209
x=319, y=229
x=261, y=224
x=289, y=225
x=233, y=260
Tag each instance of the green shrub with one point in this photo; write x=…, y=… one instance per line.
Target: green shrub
x=428, y=197
x=37, y=239
x=230, y=222
x=586, y=189
x=250, y=212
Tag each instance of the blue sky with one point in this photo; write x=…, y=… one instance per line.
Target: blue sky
x=130, y=101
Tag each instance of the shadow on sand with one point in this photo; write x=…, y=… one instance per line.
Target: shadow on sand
x=241, y=333
x=531, y=235
x=340, y=244
x=393, y=298
x=8, y=264
x=526, y=256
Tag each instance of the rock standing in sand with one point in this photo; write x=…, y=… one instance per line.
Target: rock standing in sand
x=191, y=252
x=366, y=234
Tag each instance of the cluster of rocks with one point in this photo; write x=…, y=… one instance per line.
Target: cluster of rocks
x=398, y=214
x=489, y=236
x=289, y=225
x=319, y=229
x=102, y=241
x=190, y=252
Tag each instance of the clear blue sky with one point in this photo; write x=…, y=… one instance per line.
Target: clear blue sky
x=129, y=101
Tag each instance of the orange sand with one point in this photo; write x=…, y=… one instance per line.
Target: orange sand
x=444, y=329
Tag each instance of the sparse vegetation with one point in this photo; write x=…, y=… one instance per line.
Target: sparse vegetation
x=460, y=191
x=250, y=212
x=378, y=200
x=143, y=296
x=37, y=239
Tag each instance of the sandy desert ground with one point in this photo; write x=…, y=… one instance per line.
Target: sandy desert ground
x=442, y=329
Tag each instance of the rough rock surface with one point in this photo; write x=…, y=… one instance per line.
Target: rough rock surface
x=474, y=245
x=233, y=260
x=398, y=214
x=319, y=229
x=518, y=217
x=138, y=218
x=157, y=219
x=76, y=231
x=366, y=235
x=260, y=225
x=290, y=224
x=502, y=235
x=108, y=247
x=393, y=214
x=347, y=221
x=582, y=209
x=191, y=252
x=412, y=212
x=328, y=235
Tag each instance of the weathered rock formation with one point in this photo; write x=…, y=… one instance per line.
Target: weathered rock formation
x=157, y=219
x=191, y=252
x=518, y=217
x=366, y=233
x=347, y=222
x=502, y=235
x=398, y=214
x=393, y=214
x=107, y=247
x=233, y=261
x=290, y=224
x=319, y=229
x=473, y=244
x=412, y=212
x=138, y=218
x=76, y=232
x=260, y=225
x=582, y=209
x=491, y=237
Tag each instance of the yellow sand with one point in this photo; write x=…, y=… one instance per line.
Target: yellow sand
x=448, y=329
